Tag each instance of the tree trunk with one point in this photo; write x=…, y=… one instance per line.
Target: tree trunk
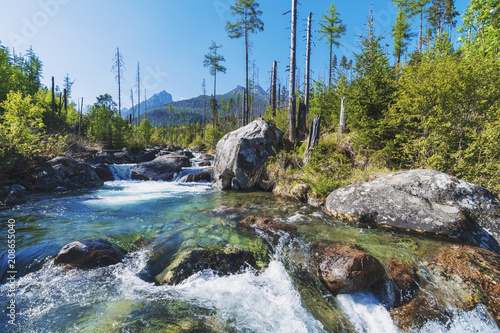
x=342, y=126
x=330, y=72
x=65, y=102
x=80, y=120
x=273, y=88
x=246, y=111
x=53, y=98
x=314, y=134
x=307, y=87
x=119, y=82
x=420, y=30
x=301, y=124
x=291, y=98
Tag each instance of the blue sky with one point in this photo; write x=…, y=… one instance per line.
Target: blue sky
x=169, y=39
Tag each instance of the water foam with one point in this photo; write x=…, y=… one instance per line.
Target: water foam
x=265, y=302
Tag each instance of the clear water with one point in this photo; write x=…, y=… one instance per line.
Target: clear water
x=148, y=214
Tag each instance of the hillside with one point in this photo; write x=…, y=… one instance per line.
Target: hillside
x=191, y=110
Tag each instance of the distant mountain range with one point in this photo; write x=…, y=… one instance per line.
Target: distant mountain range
x=156, y=101
x=191, y=110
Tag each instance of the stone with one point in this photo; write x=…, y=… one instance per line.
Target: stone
x=161, y=168
x=404, y=280
x=345, y=268
x=242, y=154
x=103, y=172
x=64, y=171
x=196, y=260
x=424, y=201
x=89, y=253
x=204, y=175
x=102, y=157
x=18, y=188
x=477, y=268
x=264, y=223
x=145, y=156
x=15, y=198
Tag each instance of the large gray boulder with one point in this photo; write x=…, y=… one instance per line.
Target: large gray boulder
x=161, y=168
x=67, y=172
x=424, y=201
x=241, y=155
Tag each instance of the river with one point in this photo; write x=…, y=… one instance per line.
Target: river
x=146, y=216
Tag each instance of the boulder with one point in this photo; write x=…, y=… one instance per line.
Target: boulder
x=89, y=253
x=241, y=155
x=425, y=201
x=161, y=168
x=64, y=171
x=103, y=172
x=345, y=268
x=204, y=175
x=15, y=198
x=145, y=156
x=455, y=276
x=191, y=261
x=102, y=157
x=478, y=269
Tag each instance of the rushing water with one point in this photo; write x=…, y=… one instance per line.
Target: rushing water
x=148, y=215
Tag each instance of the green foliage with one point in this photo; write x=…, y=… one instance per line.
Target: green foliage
x=146, y=130
x=371, y=92
x=328, y=168
x=446, y=115
x=21, y=125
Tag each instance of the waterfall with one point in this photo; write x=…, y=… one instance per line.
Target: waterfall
x=121, y=171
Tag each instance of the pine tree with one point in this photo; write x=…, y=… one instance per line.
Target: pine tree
x=418, y=7
x=119, y=70
x=401, y=30
x=212, y=61
x=372, y=89
x=248, y=22
x=332, y=29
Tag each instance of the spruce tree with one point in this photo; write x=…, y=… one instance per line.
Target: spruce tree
x=248, y=22
x=332, y=29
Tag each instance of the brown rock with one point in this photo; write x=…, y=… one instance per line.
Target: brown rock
x=416, y=313
x=478, y=268
x=345, y=268
x=266, y=224
x=404, y=279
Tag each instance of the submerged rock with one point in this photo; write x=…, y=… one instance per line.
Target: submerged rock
x=425, y=201
x=266, y=224
x=89, y=253
x=223, y=262
x=161, y=168
x=345, y=268
x=241, y=155
x=64, y=171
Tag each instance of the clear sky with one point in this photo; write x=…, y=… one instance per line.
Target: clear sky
x=170, y=38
